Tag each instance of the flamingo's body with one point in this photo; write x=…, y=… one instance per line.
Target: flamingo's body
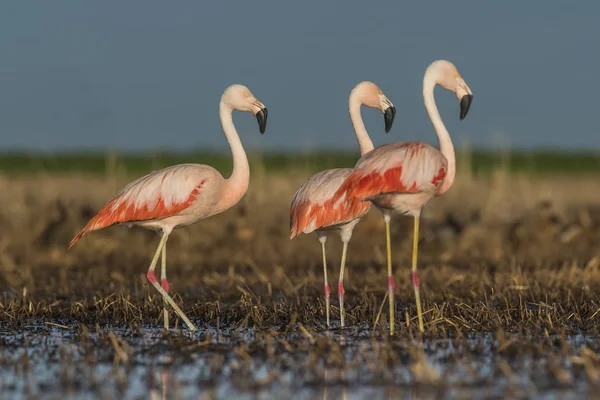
x=401, y=178
x=315, y=207
x=182, y=195
x=170, y=198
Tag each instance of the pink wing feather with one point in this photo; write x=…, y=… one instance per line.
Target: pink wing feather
x=159, y=194
x=410, y=167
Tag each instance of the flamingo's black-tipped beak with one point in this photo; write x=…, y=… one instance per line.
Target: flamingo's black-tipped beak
x=388, y=115
x=261, y=117
x=465, y=104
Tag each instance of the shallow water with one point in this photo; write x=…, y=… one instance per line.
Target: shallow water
x=47, y=361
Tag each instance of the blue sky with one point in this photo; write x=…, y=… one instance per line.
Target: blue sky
x=147, y=75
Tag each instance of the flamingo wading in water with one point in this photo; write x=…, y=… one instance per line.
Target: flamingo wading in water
x=401, y=178
x=313, y=208
x=181, y=195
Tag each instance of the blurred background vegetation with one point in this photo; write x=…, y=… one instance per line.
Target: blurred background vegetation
x=478, y=162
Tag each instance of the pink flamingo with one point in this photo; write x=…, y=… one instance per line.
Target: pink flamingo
x=401, y=178
x=181, y=195
x=313, y=207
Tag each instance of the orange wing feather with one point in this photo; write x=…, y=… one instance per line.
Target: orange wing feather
x=395, y=168
x=308, y=214
x=121, y=210
x=315, y=205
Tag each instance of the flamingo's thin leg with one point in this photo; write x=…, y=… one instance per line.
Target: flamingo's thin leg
x=164, y=283
x=152, y=278
x=391, y=284
x=415, y=277
x=341, y=290
x=323, y=239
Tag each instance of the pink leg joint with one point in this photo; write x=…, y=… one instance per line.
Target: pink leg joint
x=341, y=290
x=327, y=290
x=151, y=277
x=165, y=285
x=391, y=283
x=415, y=279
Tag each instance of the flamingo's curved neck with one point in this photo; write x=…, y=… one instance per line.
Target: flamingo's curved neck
x=237, y=184
x=446, y=147
x=364, y=141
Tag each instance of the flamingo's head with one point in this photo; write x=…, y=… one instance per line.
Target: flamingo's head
x=239, y=97
x=449, y=78
x=370, y=95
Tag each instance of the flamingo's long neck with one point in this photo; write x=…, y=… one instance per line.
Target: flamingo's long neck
x=237, y=184
x=364, y=141
x=446, y=146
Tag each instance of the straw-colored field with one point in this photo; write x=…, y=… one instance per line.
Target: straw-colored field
x=510, y=270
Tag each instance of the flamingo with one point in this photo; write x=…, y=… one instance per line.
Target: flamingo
x=313, y=208
x=181, y=195
x=401, y=178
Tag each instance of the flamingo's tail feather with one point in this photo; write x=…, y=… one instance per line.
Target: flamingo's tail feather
x=77, y=237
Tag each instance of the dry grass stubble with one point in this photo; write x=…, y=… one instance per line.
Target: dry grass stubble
x=519, y=253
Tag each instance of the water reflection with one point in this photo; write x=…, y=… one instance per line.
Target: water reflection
x=158, y=387
x=338, y=364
